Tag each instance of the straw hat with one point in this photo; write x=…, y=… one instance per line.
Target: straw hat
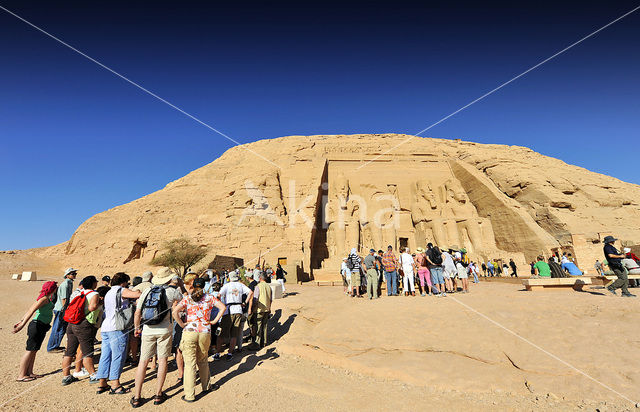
x=419, y=250
x=163, y=276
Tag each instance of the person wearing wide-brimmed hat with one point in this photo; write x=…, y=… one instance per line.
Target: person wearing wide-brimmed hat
x=59, y=327
x=614, y=257
x=156, y=337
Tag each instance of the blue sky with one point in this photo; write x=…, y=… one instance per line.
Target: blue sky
x=77, y=140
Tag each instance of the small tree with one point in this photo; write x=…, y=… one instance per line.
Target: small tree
x=180, y=254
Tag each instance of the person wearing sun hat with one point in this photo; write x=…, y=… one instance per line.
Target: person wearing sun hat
x=614, y=257
x=156, y=339
x=59, y=327
x=146, y=282
x=231, y=295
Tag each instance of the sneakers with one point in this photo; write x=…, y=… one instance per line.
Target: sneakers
x=628, y=295
x=423, y=295
x=613, y=291
x=69, y=379
x=444, y=294
x=93, y=378
x=82, y=374
x=216, y=356
x=229, y=356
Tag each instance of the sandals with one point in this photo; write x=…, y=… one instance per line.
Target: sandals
x=102, y=389
x=120, y=390
x=26, y=379
x=158, y=399
x=135, y=402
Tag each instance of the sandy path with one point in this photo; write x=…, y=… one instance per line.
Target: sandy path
x=336, y=353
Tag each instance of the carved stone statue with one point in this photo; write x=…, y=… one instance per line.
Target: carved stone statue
x=335, y=215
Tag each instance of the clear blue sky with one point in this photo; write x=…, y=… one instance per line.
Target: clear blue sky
x=77, y=140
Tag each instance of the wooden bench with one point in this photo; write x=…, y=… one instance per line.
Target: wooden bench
x=577, y=283
x=607, y=280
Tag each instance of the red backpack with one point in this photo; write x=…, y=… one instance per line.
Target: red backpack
x=75, y=311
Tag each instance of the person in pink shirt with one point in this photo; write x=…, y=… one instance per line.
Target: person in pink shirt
x=423, y=271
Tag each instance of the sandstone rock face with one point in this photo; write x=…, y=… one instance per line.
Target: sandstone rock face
x=320, y=196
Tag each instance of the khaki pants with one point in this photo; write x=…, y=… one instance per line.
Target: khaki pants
x=262, y=320
x=372, y=283
x=195, y=350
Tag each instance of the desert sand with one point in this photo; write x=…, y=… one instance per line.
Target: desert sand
x=332, y=352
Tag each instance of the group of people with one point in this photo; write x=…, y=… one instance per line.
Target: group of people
x=436, y=272
x=492, y=267
x=163, y=315
x=555, y=266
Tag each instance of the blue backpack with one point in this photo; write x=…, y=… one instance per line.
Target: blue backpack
x=154, y=308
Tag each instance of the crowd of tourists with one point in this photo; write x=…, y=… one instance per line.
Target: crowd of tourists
x=438, y=271
x=434, y=271
x=145, y=322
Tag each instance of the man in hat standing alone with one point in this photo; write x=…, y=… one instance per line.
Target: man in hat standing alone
x=59, y=327
x=614, y=257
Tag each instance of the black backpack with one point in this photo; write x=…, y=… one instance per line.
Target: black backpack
x=436, y=256
x=154, y=308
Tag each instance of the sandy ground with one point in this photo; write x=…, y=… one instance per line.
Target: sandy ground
x=336, y=353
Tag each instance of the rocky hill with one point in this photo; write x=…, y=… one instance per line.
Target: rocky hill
x=304, y=198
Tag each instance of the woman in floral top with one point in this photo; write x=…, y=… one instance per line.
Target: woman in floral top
x=196, y=336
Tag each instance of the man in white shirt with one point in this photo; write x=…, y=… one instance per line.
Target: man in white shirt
x=231, y=295
x=407, y=262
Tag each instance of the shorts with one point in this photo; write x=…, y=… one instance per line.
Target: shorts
x=355, y=279
x=225, y=325
x=36, y=332
x=448, y=273
x=81, y=335
x=436, y=275
x=155, y=345
x=236, y=323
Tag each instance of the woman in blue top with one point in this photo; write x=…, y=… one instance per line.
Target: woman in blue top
x=37, y=330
